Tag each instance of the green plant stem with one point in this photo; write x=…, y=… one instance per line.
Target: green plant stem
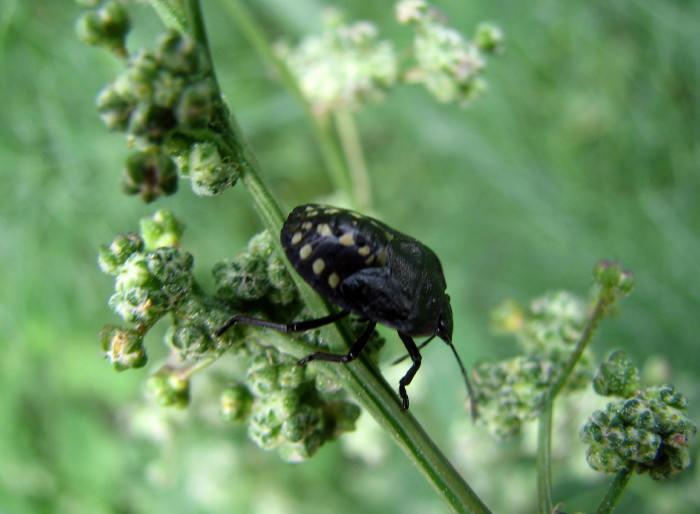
x=581, y=344
x=544, y=431
x=329, y=149
x=359, y=378
x=544, y=459
x=354, y=156
x=615, y=490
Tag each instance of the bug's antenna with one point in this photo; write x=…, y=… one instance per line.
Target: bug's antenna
x=470, y=389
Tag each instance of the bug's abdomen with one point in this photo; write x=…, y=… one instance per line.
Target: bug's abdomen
x=326, y=245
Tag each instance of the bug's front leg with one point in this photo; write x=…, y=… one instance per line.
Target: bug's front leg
x=298, y=326
x=353, y=354
x=414, y=353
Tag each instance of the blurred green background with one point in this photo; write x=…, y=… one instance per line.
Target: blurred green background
x=586, y=146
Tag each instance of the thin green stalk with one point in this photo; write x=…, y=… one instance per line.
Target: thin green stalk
x=329, y=149
x=615, y=490
x=359, y=378
x=544, y=459
x=354, y=156
x=581, y=345
x=544, y=434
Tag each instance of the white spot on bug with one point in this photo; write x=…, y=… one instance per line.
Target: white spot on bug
x=305, y=251
x=331, y=211
x=364, y=250
x=382, y=257
x=318, y=266
x=353, y=223
x=333, y=280
x=296, y=238
x=347, y=239
x=369, y=260
x=355, y=215
x=324, y=230
x=307, y=225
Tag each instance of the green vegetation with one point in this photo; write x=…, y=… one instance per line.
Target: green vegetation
x=582, y=145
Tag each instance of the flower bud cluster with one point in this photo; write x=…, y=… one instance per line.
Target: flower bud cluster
x=345, y=67
x=287, y=406
x=648, y=428
x=105, y=25
x=287, y=412
x=511, y=391
x=169, y=388
x=613, y=281
x=163, y=101
x=255, y=274
x=446, y=63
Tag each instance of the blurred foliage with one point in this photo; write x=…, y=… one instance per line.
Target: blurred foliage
x=585, y=146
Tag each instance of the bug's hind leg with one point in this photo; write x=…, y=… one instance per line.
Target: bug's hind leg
x=298, y=326
x=414, y=354
x=353, y=354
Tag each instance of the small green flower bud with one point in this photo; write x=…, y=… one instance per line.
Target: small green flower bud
x=291, y=376
x=180, y=53
x=161, y=230
x=303, y=450
x=236, y=402
x=105, y=26
x=284, y=291
x=262, y=380
x=167, y=89
x=261, y=245
x=196, y=105
x=242, y=279
x=136, y=83
x=114, y=109
x=211, y=174
x=113, y=256
x=179, y=146
x=168, y=388
x=151, y=122
x=150, y=174
x=123, y=347
x=301, y=424
x=613, y=279
x=489, y=38
x=344, y=416
x=617, y=377
x=148, y=285
x=189, y=339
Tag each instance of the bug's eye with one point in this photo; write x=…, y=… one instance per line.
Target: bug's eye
x=444, y=326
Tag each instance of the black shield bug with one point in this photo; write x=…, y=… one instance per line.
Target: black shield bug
x=372, y=271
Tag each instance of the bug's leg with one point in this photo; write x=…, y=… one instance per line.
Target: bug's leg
x=354, y=352
x=298, y=326
x=420, y=347
x=414, y=353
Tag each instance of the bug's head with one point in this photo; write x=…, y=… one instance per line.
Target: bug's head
x=444, y=325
